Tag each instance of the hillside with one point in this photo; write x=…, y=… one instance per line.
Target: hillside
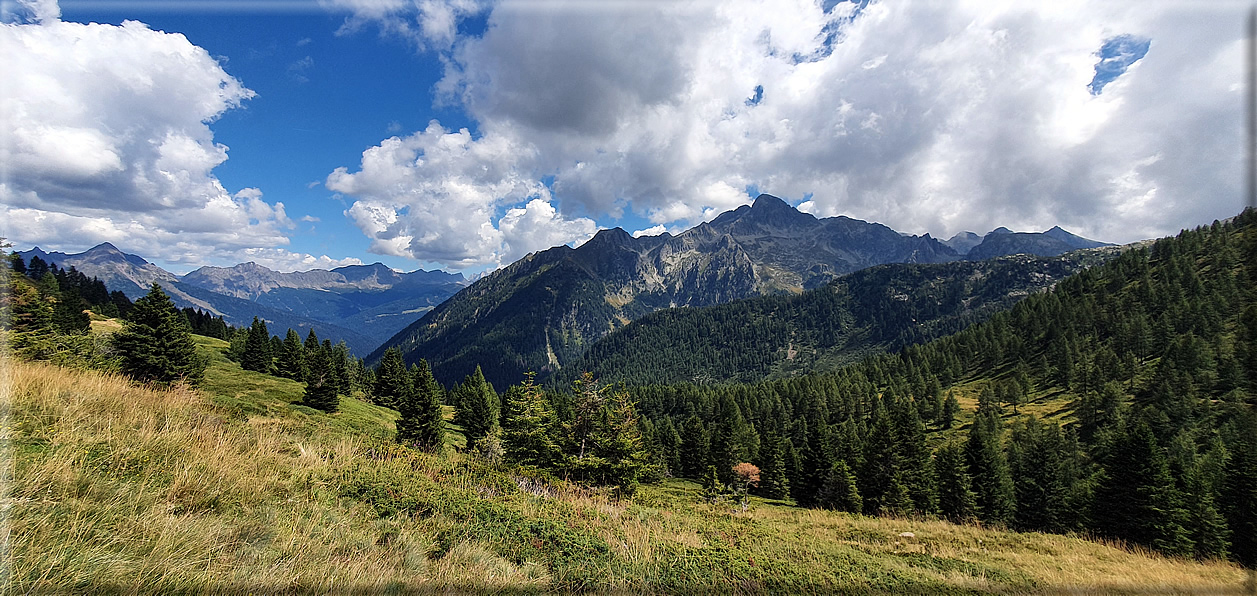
x=543, y=312
x=233, y=489
x=877, y=309
x=1122, y=403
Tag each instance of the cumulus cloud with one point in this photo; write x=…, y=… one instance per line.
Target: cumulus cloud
x=935, y=117
x=429, y=24
x=435, y=195
x=108, y=139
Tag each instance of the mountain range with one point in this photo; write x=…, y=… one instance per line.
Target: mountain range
x=545, y=310
x=360, y=304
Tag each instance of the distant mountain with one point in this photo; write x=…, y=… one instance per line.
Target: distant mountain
x=545, y=310
x=881, y=308
x=963, y=242
x=360, y=304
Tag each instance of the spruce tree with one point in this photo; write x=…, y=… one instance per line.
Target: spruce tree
x=988, y=468
x=393, y=383
x=257, y=348
x=956, y=499
x=1141, y=503
x=694, y=448
x=290, y=363
x=1239, y=491
x=951, y=407
x=839, y=491
x=69, y=315
x=422, y=421
x=529, y=433
x=881, y=462
x=773, y=483
x=320, y=392
x=155, y=343
x=670, y=445
x=475, y=407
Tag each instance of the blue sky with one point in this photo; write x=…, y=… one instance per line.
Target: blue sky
x=463, y=134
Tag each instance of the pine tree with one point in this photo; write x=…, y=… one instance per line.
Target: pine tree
x=620, y=444
x=422, y=420
x=30, y=310
x=670, y=445
x=393, y=384
x=155, y=343
x=914, y=456
x=257, y=348
x=320, y=392
x=475, y=407
x=1207, y=527
x=291, y=361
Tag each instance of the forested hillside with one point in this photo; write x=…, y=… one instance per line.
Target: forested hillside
x=877, y=309
x=1140, y=372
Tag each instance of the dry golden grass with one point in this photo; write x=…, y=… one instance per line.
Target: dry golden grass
x=125, y=489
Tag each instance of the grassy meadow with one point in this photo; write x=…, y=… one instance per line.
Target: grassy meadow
x=235, y=488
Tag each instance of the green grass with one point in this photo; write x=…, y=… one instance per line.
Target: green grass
x=235, y=488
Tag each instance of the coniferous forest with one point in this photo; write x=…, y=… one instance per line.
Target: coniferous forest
x=1147, y=362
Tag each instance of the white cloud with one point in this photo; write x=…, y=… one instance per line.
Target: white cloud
x=429, y=24
x=284, y=261
x=651, y=231
x=933, y=117
x=433, y=196
x=108, y=139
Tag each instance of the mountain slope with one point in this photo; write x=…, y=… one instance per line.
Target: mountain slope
x=545, y=310
x=880, y=308
x=238, y=489
x=360, y=304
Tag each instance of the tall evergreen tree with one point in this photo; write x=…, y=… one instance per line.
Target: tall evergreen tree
x=1239, y=491
x=69, y=314
x=475, y=407
x=530, y=432
x=773, y=483
x=956, y=499
x=155, y=343
x=1035, y=460
x=257, y=348
x=290, y=363
x=839, y=490
x=422, y=421
x=881, y=463
x=989, y=469
x=393, y=383
x=694, y=447
x=320, y=392
x=1137, y=492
